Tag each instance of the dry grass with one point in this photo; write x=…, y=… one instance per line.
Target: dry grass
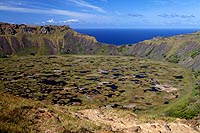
x=48, y=83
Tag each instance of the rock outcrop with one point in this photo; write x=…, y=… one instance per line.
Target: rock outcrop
x=130, y=123
x=46, y=40
x=181, y=49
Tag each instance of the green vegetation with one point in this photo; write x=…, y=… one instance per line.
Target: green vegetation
x=62, y=52
x=27, y=115
x=195, y=53
x=44, y=50
x=197, y=74
x=50, y=89
x=104, y=48
x=122, y=49
x=174, y=58
x=150, y=51
x=28, y=51
x=188, y=109
x=80, y=47
x=93, y=80
x=48, y=93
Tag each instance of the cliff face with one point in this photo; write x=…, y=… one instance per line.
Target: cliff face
x=45, y=40
x=181, y=49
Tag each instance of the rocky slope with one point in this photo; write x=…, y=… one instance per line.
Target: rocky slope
x=45, y=40
x=182, y=49
x=27, y=115
x=130, y=123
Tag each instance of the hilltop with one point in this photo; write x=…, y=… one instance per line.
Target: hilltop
x=47, y=40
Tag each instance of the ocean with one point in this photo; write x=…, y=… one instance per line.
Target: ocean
x=131, y=36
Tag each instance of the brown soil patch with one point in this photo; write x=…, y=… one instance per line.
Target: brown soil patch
x=130, y=123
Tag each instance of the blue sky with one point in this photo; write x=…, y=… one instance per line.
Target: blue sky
x=103, y=13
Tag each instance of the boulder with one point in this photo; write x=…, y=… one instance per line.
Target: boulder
x=46, y=30
x=129, y=106
x=11, y=31
x=28, y=30
x=104, y=72
x=28, y=91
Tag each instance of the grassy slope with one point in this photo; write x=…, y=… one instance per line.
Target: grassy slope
x=177, y=42
x=187, y=92
x=37, y=45
x=27, y=115
x=180, y=49
x=44, y=66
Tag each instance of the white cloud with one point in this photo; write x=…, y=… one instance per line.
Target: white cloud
x=47, y=11
x=83, y=3
x=70, y=21
x=61, y=22
x=82, y=17
x=50, y=21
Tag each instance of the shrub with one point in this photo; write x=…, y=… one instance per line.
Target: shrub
x=174, y=58
x=195, y=53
